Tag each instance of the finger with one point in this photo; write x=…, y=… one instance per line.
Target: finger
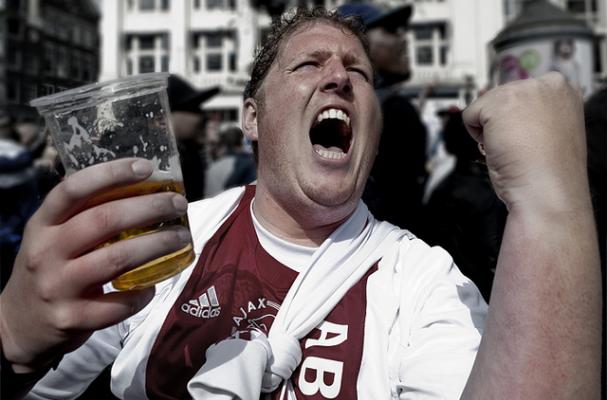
x=99, y=224
x=472, y=120
x=70, y=195
x=109, y=262
x=112, y=308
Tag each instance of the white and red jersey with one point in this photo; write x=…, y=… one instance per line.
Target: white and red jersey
x=409, y=330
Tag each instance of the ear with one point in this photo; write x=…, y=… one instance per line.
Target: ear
x=249, y=119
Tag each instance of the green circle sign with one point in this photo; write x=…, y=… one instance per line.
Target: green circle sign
x=529, y=59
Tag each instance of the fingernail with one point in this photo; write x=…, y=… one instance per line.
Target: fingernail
x=180, y=203
x=142, y=168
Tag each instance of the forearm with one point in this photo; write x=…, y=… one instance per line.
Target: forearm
x=543, y=333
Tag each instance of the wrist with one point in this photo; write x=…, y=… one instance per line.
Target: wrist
x=15, y=383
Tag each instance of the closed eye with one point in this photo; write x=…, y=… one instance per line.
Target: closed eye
x=361, y=72
x=307, y=64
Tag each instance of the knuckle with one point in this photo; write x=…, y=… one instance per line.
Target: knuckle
x=65, y=318
x=47, y=291
x=37, y=255
x=70, y=187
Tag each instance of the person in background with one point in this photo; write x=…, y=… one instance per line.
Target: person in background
x=19, y=194
x=188, y=123
x=595, y=112
x=233, y=166
x=463, y=215
x=396, y=184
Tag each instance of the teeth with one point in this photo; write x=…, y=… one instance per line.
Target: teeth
x=330, y=154
x=333, y=113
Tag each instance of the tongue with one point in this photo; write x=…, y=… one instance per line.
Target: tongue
x=333, y=149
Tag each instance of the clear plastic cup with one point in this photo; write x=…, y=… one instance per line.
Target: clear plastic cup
x=126, y=117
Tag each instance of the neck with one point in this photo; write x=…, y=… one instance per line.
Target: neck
x=296, y=224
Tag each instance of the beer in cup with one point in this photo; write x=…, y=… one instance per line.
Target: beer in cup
x=126, y=117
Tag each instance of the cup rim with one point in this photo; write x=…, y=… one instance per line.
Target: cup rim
x=87, y=95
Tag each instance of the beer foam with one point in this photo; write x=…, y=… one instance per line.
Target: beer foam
x=173, y=173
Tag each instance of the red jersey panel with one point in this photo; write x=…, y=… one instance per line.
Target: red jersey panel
x=237, y=286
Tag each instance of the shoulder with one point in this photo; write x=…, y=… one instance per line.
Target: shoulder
x=206, y=215
x=426, y=278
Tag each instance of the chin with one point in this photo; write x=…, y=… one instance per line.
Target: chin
x=332, y=195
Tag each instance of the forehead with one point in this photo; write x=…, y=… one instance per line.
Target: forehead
x=321, y=36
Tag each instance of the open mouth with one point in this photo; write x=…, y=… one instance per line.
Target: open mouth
x=331, y=134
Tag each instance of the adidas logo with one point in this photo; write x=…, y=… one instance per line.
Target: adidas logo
x=205, y=306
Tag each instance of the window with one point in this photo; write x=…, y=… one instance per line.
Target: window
x=62, y=62
x=423, y=33
x=49, y=59
x=75, y=35
x=214, y=4
x=75, y=64
x=146, y=5
x=165, y=5
x=146, y=64
x=221, y=4
x=214, y=52
x=444, y=54
x=12, y=90
x=14, y=58
x=233, y=62
x=88, y=68
x=585, y=9
x=30, y=91
x=14, y=27
x=214, y=62
x=596, y=48
x=576, y=6
x=148, y=53
x=197, y=4
x=31, y=64
x=423, y=55
x=128, y=42
x=214, y=40
x=430, y=44
x=146, y=42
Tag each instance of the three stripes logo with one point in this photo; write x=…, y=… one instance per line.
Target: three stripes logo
x=205, y=306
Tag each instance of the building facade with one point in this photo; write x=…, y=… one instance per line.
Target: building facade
x=211, y=42
x=46, y=46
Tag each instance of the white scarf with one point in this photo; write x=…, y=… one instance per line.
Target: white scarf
x=239, y=369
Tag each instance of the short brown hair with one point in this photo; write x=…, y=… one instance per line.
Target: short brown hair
x=284, y=27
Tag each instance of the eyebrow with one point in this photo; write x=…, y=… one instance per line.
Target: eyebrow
x=348, y=58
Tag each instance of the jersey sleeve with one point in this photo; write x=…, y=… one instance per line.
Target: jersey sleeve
x=79, y=368
x=441, y=320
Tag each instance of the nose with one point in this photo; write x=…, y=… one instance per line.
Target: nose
x=336, y=79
